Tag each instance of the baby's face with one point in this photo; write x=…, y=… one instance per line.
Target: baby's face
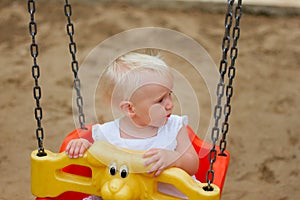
x=153, y=103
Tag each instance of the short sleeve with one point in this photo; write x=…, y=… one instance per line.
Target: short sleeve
x=108, y=132
x=175, y=123
x=97, y=134
x=185, y=120
x=168, y=133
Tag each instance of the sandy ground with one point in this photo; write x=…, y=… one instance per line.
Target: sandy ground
x=264, y=132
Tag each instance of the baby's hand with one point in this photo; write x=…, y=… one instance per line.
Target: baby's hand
x=77, y=147
x=161, y=159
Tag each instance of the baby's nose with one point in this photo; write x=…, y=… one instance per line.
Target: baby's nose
x=169, y=104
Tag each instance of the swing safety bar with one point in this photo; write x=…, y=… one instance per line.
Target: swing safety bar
x=49, y=180
x=58, y=177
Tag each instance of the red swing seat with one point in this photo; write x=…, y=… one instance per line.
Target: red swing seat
x=201, y=147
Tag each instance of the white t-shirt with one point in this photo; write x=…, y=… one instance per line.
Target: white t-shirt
x=165, y=138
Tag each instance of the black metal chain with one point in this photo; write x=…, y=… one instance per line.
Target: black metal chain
x=221, y=85
x=37, y=91
x=74, y=63
x=231, y=74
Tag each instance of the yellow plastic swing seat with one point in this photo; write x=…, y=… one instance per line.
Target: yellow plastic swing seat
x=58, y=177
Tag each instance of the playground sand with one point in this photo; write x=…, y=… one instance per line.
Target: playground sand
x=264, y=126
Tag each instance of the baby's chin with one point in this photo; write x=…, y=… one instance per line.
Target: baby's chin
x=162, y=123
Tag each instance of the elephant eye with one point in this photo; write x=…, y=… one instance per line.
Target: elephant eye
x=124, y=171
x=113, y=169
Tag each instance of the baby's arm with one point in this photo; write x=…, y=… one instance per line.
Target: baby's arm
x=77, y=147
x=188, y=159
x=184, y=157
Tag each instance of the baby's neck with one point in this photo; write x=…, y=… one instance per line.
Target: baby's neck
x=130, y=130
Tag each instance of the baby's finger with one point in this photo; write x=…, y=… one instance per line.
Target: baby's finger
x=67, y=148
x=155, y=167
x=150, y=153
x=77, y=149
x=151, y=160
x=70, y=151
x=158, y=172
x=82, y=149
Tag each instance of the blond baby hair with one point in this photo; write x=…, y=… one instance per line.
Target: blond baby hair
x=123, y=76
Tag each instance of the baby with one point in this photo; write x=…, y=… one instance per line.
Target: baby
x=140, y=87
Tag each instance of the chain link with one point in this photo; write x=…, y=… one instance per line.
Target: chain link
x=74, y=63
x=37, y=91
x=221, y=85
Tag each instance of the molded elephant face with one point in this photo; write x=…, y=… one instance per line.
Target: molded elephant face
x=120, y=184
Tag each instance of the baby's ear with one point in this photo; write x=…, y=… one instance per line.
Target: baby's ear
x=127, y=108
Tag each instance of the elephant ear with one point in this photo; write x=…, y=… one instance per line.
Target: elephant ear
x=193, y=189
x=103, y=153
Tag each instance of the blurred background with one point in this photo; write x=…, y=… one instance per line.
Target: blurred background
x=264, y=125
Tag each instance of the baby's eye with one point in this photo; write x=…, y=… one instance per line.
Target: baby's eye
x=160, y=100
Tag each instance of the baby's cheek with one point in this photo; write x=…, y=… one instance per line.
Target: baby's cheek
x=157, y=115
